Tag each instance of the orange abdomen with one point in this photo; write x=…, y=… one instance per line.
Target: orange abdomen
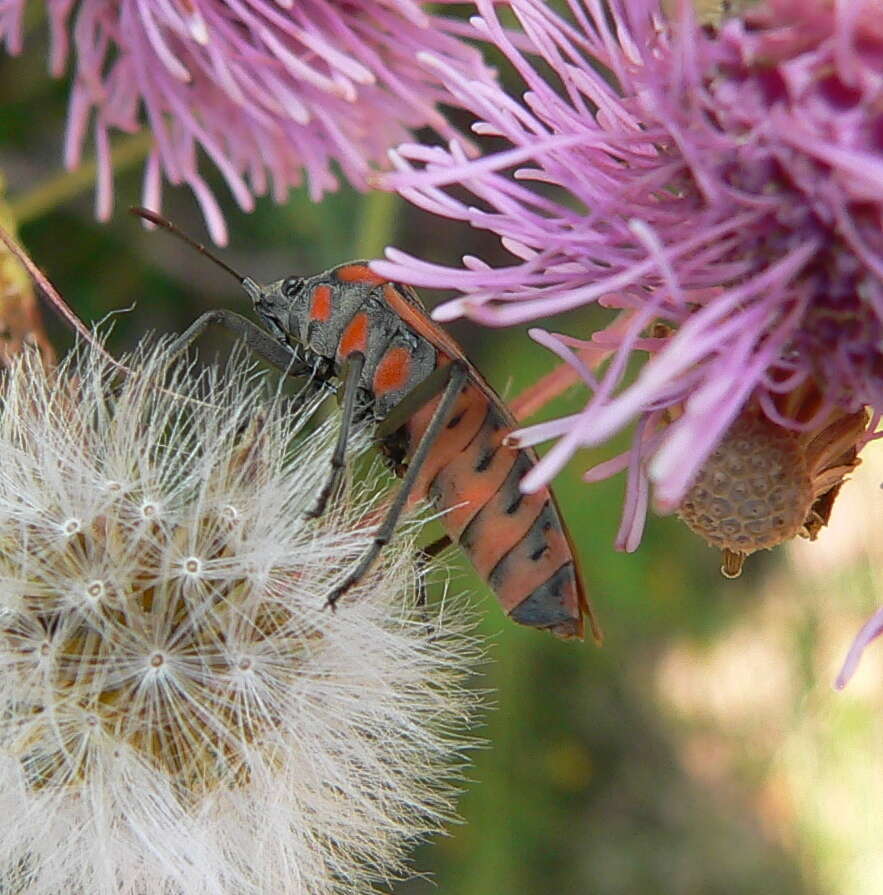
x=516, y=542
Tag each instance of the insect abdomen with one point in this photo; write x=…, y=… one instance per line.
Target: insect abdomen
x=515, y=541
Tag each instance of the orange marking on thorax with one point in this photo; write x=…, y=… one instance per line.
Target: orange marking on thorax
x=392, y=371
x=359, y=273
x=355, y=336
x=320, y=309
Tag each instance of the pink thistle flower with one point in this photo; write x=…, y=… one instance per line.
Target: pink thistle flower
x=267, y=90
x=726, y=182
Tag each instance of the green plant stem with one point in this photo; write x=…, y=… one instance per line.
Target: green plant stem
x=65, y=186
x=377, y=224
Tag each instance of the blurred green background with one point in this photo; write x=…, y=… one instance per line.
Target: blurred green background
x=701, y=750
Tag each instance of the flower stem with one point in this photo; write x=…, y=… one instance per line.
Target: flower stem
x=377, y=224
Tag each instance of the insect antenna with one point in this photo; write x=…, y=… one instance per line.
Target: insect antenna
x=160, y=221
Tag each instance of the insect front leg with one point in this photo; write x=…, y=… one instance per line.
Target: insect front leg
x=256, y=340
x=352, y=377
x=456, y=376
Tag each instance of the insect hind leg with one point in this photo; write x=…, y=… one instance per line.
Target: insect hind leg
x=457, y=375
x=424, y=556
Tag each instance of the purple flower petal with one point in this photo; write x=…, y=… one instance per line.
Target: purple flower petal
x=727, y=181
x=273, y=93
x=870, y=631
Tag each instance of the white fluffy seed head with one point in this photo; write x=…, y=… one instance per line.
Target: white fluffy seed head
x=178, y=714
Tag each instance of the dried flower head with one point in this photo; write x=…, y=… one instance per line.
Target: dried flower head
x=267, y=90
x=765, y=484
x=727, y=181
x=177, y=712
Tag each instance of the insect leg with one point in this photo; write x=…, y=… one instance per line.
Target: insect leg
x=437, y=546
x=426, y=554
x=256, y=340
x=456, y=374
x=352, y=376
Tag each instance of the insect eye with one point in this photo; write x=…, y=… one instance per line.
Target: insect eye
x=292, y=286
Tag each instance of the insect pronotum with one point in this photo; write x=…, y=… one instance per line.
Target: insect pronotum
x=437, y=421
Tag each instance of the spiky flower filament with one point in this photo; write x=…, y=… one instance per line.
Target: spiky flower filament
x=276, y=95
x=178, y=712
x=134, y=663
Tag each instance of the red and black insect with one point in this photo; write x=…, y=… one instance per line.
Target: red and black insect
x=436, y=419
